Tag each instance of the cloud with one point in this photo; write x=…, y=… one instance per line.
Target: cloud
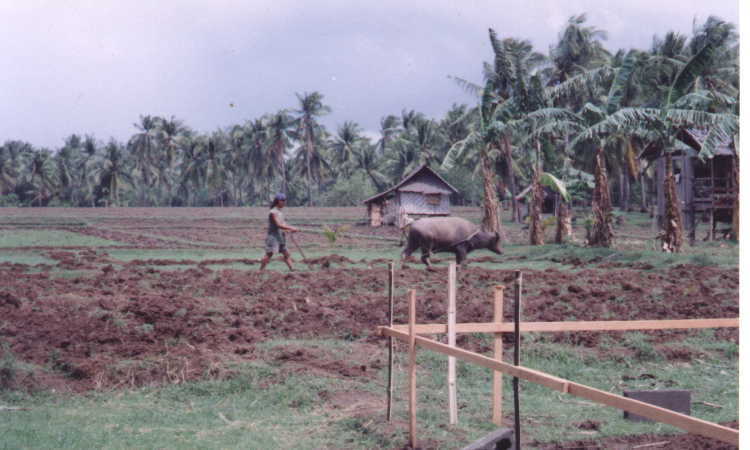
x=93, y=67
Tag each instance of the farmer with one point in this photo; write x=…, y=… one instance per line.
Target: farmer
x=276, y=241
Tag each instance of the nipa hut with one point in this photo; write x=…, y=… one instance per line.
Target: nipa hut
x=421, y=193
x=706, y=189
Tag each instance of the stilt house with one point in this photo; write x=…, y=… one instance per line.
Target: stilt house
x=706, y=189
x=421, y=193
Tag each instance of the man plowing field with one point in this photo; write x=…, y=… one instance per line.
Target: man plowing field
x=275, y=240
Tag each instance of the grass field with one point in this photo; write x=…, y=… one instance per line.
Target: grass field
x=310, y=373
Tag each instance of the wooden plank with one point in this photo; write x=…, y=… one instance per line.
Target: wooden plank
x=497, y=377
x=389, y=409
x=452, y=399
x=687, y=423
x=606, y=325
x=659, y=414
x=484, y=361
x=412, y=369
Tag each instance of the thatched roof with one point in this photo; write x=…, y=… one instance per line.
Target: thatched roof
x=693, y=138
x=414, y=182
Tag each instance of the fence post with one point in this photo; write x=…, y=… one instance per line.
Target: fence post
x=497, y=377
x=389, y=410
x=452, y=400
x=517, y=358
x=412, y=369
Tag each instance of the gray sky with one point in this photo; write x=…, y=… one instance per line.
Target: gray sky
x=95, y=66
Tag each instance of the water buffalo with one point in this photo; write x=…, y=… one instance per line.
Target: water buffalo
x=448, y=234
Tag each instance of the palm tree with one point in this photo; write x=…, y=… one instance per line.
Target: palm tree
x=112, y=170
x=685, y=104
x=389, y=128
x=348, y=137
x=41, y=176
x=482, y=139
x=142, y=148
x=64, y=164
x=216, y=168
x=86, y=159
x=308, y=129
x=279, y=127
x=168, y=132
x=578, y=50
x=367, y=160
x=8, y=171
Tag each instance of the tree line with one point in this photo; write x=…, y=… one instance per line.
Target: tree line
x=574, y=119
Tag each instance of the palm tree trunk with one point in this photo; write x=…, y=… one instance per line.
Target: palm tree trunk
x=600, y=232
x=536, y=232
x=672, y=232
x=491, y=214
x=644, y=200
x=309, y=177
x=564, y=227
x=508, y=152
x=736, y=208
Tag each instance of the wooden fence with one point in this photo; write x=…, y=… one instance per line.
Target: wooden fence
x=410, y=334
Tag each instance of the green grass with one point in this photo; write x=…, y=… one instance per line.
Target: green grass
x=266, y=405
x=24, y=257
x=50, y=238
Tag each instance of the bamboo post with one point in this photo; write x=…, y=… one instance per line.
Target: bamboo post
x=412, y=369
x=517, y=357
x=389, y=410
x=497, y=377
x=452, y=400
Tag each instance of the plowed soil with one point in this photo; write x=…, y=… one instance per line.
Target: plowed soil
x=170, y=325
x=90, y=322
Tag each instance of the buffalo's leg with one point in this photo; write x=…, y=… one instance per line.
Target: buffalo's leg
x=410, y=247
x=460, y=255
x=426, y=252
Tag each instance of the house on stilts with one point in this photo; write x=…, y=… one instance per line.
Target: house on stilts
x=422, y=193
x=707, y=189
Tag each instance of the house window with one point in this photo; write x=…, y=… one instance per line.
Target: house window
x=433, y=199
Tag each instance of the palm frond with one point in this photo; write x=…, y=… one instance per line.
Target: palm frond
x=471, y=88
x=580, y=82
x=456, y=152
x=618, y=88
x=696, y=66
x=549, y=180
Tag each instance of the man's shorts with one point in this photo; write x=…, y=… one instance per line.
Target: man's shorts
x=275, y=243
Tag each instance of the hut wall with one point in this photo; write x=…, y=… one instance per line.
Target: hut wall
x=375, y=211
x=423, y=204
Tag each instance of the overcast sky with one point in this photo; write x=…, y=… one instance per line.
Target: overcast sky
x=95, y=66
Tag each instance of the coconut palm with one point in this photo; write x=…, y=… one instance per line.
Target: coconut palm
x=41, y=176
x=142, y=147
x=367, y=160
x=308, y=130
x=8, y=171
x=344, y=144
x=279, y=128
x=578, y=49
x=389, y=128
x=111, y=171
